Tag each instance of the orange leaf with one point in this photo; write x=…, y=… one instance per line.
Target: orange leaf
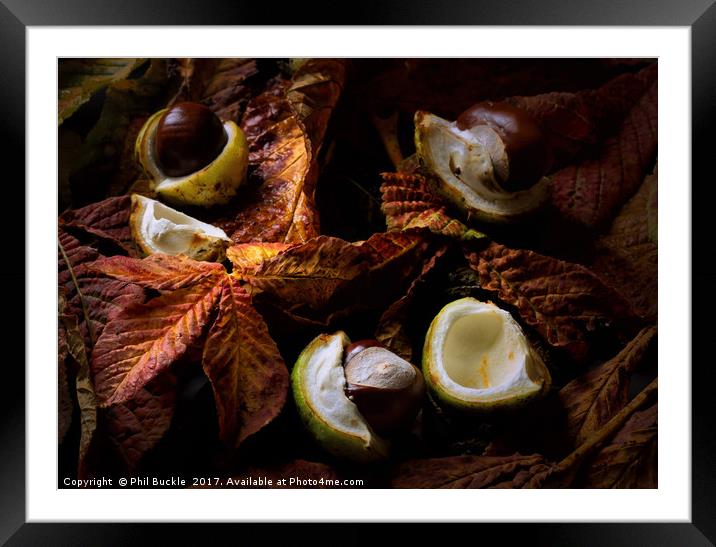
x=247, y=373
x=145, y=339
x=158, y=271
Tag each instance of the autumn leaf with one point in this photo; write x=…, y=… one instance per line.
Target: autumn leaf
x=591, y=192
x=391, y=329
x=563, y=301
x=143, y=340
x=321, y=277
x=573, y=122
x=228, y=88
x=136, y=426
x=107, y=219
x=244, y=365
x=627, y=255
x=199, y=304
x=103, y=163
x=314, y=92
x=630, y=460
x=468, y=471
x=279, y=162
x=159, y=271
x=515, y=470
x=409, y=203
x=79, y=79
x=595, y=397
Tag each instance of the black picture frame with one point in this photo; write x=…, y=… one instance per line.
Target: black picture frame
x=699, y=15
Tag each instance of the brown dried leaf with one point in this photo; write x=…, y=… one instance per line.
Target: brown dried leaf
x=247, y=373
x=145, y=339
x=108, y=219
x=630, y=460
x=591, y=192
x=314, y=92
x=409, y=203
x=391, y=329
x=573, y=122
x=79, y=79
x=563, y=301
x=228, y=90
x=277, y=204
x=516, y=471
x=64, y=400
x=136, y=426
x=299, y=275
x=627, y=256
x=595, y=397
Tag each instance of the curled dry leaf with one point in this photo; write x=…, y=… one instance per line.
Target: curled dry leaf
x=64, y=400
x=563, y=301
x=391, y=329
x=248, y=376
x=630, y=459
x=627, y=255
x=320, y=278
x=409, y=203
x=590, y=192
x=594, y=398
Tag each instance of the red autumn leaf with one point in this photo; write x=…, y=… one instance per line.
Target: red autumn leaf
x=591, y=192
x=575, y=121
x=409, y=203
x=516, y=471
x=594, y=398
x=158, y=271
x=627, y=255
x=145, y=339
x=242, y=362
x=563, y=301
x=108, y=219
x=244, y=365
x=630, y=460
x=136, y=426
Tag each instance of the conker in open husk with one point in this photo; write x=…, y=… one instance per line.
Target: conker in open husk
x=387, y=389
x=521, y=155
x=189, y=136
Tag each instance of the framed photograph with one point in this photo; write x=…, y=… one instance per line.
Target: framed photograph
x=408, y=270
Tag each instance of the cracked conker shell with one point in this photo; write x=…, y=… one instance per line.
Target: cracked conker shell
x=189, y=136
x=529, y=157
x=387, y=389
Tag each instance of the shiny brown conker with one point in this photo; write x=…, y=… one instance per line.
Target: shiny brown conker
x=189, y=136
x=528, y=154
x=387, y=390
